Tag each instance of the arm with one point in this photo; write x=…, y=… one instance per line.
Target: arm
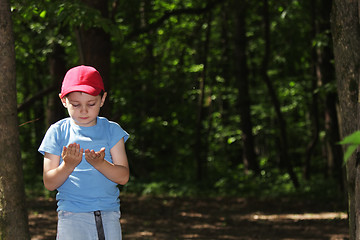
x=55, y=175
x=118, y=171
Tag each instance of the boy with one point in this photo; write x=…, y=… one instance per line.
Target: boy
x=85, y=160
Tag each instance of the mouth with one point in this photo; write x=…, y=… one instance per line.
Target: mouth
x=84, y=118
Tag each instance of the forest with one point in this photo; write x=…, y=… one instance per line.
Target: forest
x=221, y=98
x=213, y=99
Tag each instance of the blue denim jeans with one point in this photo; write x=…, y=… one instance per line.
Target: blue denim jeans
x=81, y=226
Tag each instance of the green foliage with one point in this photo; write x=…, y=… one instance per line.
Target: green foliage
x=155, y=77
x=352, y=141
x=270, y=185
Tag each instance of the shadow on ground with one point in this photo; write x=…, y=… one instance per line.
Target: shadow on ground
x=159, y=218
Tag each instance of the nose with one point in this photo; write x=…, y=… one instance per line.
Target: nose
x=84, y=109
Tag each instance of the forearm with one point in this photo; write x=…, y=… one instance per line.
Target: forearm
x=54, y=178
x=116, y=173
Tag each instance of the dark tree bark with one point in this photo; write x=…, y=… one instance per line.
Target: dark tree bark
x=346, y=39
x=13, y=214
x=285, y=161
x=241, y=76
x=95, y=47
x=327, y=77
x=200, y=149
x=57, y=65
x=314, y=105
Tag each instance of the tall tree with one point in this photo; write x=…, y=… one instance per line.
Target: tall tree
x=249, y=156
x=95, y=46
x=57, y=71
x=13, y=215
x=346, y=39
x=285, y=160
x=327, y=78
x=201, y=136
x=314, y=105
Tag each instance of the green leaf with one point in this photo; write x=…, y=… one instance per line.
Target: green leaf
x=231, y=140
x=43, y=14
x=349, y=152
x=352, y=139
x=196, y=68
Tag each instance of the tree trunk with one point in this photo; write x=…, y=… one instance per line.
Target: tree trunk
x=285, y=161
x=346, y=38
x=55, y=109
x=326, y=77
x=241, y=76
x=13, y=215
x=95, y=47
x=314, y=105
x=201, y=137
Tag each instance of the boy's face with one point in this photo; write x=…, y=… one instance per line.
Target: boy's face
x=83, y=108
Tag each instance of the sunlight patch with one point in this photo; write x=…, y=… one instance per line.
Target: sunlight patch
x=305, y=216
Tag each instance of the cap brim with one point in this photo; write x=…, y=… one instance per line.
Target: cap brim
x=82, y=88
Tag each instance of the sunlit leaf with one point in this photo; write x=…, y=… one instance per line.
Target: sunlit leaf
x=352, y=138
x=349, y=151
x=197, y=68
x=43, y=14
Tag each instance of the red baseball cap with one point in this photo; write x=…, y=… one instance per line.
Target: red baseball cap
x=82, y=79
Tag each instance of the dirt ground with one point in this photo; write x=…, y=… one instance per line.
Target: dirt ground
x=159, y=218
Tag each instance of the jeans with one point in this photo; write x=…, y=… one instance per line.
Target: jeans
x=81, y=226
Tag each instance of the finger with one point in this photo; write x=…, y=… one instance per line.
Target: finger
x=88, y=154
x=96, y=154
x=71, y=149
x=64, y=151
x=102, y=152
x=78, y=150
x=71, y=145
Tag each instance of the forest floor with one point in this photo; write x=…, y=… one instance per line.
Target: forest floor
x=164, y=218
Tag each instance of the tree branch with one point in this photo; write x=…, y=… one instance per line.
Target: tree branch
x=168, y=14
x=36, y=97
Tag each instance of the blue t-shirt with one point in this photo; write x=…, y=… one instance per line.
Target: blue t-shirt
x=86, y=189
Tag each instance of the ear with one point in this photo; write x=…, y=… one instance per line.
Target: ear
x=103, y=99
x=63, y=100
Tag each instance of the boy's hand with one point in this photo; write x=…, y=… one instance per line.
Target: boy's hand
x=72, y=155
x=95, y=158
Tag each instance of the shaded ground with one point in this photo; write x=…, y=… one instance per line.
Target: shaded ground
x=186, y=218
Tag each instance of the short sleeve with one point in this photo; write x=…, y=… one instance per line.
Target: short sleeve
x=50, y=143
x=116, y=134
